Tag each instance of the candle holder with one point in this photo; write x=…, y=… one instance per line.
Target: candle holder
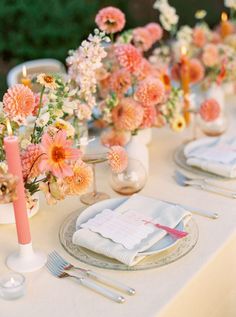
x=12, y=286
x=26, y=259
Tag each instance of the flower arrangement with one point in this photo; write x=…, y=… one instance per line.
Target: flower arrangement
x=50, y=161
x=133, y=93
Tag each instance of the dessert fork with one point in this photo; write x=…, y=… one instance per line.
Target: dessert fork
x=182, y=180
x=59, y=272
x=64, y=265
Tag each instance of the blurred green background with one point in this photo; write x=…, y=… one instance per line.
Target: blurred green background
x=31, y=29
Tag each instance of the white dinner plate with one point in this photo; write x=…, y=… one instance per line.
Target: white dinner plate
x=162, y=245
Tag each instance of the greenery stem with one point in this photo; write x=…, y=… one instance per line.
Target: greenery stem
x=40, y=106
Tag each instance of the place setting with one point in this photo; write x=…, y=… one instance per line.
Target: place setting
x=90, y=172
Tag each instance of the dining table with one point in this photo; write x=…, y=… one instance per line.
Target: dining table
x=200, y=284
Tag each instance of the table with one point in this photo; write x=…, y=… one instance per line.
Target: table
x=201, y=284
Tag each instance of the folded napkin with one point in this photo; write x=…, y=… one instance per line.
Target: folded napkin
x=161, y=212
x=215, y=155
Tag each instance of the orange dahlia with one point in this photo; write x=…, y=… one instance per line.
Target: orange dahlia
x=209, y=110
x=142, y=39
x=155, y=31
x=30, y=160
x=196, y=71
x=81, y=179
x=117, y=159
x=128, y=57
x=115, y=137
x=150, y=91
x=110, y=20
x=128, y=115
x=120, y=81
x=149, y=116
x=18, y=103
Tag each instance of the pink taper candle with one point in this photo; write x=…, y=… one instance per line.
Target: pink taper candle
x=11, y=146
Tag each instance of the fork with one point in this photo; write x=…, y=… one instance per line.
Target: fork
x=63, y=264
x=182, y=180
x=60, y=273
x=208, y=181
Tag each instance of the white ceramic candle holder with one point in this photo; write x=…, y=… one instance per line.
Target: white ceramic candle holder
x=26, y=259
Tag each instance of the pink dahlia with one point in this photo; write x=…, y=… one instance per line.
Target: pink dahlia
x=110, y=20
x=145, y=69
x=115, y=137
x=128, y=115
x=209, y=110
x=18, y=103
x=196, y=71
x=117, y=159
x=58, y=154
x=199, y=37
x=129, y=57
x=150, y=91
x=149, y=117
x=142, y=39
x=30, y=160
x=155, y=30
x=120, y=81
x=210, y=56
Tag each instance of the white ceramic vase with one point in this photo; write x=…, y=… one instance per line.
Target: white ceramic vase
x=137, y=150
x=7, y=211
x=217, y=92
x=145, y=136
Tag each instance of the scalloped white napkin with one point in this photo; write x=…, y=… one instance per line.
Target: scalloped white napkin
x=215, y=155
x=147, y=207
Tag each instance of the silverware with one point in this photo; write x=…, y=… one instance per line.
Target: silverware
x=182, y=180
x=63, y=264
x=209, y=181
x=60, y=273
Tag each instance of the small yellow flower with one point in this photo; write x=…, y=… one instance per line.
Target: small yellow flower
x=200, y=14
x=178, y=124
x=47, y=81
x=66, y=126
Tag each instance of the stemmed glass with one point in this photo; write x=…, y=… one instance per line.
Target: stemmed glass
x=97, y=156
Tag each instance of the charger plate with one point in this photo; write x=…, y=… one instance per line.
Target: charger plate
x=181, y=161
x=169, y=255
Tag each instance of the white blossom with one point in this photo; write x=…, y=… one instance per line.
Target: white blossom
x=168, y=15
x=185, y=35
x=230, y=4
x=43, y=120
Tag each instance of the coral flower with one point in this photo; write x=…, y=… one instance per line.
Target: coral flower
x=199, y=37
x=120, y=81
x=178, y=124
x=149, y=116
x=175, y=72
x=151, y=91
x=210, y=56
x=128, y=115
x=142, y=39
x=155, y=30
x=145, y=69
x=58, y=153
x=30, y=160
x=128, y=57
x=115, y=137
x=196, y=71
x=18, y=103
x=81, y=179
x=110, y=20
x=117, y=159
x=209, y=110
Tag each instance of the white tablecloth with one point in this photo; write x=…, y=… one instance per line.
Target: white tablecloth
x=201, y=284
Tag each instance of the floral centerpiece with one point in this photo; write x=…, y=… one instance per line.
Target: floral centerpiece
x=50, y=161
x=133, y=94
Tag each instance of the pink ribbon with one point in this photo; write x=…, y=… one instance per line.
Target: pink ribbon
x=177, y=234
